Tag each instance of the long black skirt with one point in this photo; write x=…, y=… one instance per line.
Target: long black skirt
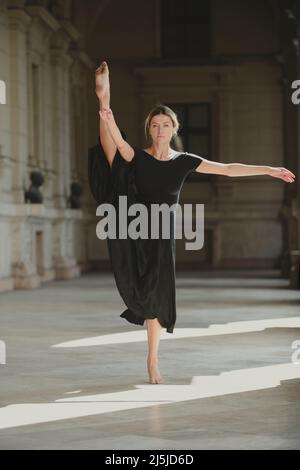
x=144, y=269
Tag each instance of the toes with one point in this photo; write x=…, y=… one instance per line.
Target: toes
x=158, y=380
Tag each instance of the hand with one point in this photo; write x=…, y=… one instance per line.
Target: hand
x=107, y=115
x=283, y=174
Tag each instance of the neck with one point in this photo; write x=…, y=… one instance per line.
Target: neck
x=161, y=150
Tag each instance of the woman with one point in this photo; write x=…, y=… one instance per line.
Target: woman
x=148, y=286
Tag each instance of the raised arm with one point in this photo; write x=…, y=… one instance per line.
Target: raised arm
x=124, y=148
x=239, y=169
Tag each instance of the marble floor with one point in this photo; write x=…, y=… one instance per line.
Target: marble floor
x=74, y=376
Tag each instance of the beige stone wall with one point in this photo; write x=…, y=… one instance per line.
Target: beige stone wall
x=46, y=79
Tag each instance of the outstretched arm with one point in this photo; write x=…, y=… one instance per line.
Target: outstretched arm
x=239, y=169
x=124, y=148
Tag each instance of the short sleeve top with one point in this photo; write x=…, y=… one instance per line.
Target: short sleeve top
x=160, y=181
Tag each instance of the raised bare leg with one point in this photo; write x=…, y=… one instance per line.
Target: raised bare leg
x=153, y=331
x=103, y=94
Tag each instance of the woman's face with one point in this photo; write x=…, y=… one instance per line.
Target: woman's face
x=161, y=129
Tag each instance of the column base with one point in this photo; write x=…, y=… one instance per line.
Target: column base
x=66, y=268
x=24, y=278
x=48, y=275
x=6, y=284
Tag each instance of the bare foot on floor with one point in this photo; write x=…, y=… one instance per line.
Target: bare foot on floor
x=102, y=81
x=154, y=375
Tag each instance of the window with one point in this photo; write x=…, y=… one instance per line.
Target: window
x=185, y=29
x=195, y=131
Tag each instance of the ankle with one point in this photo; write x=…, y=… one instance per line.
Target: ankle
x=104, y=103
x=152, y=359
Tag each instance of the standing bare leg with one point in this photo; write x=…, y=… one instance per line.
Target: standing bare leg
x=103, y=93
x=153, y=330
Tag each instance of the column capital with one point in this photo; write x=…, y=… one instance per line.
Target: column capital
x=18, y=20
x=82, y=57
x=44, y=17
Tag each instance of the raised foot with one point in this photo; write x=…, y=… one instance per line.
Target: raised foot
x=102, y=81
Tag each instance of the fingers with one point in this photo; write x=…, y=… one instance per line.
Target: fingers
x=106, y=114
x=288, y=178
x=107, y=111
x=103, y=113
x=286, y=175
x=288, y=172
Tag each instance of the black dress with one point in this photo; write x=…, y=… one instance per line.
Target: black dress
x=144, y=268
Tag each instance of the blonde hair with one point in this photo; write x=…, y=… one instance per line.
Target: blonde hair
x=161, y=109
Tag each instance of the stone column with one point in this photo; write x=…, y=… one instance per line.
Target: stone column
x=289, y=33
x=64, y=261
x=17, y=97
x=79, y=115
x=60, y=65
x=223, y=187
x=23, y=268
x=5, y=140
